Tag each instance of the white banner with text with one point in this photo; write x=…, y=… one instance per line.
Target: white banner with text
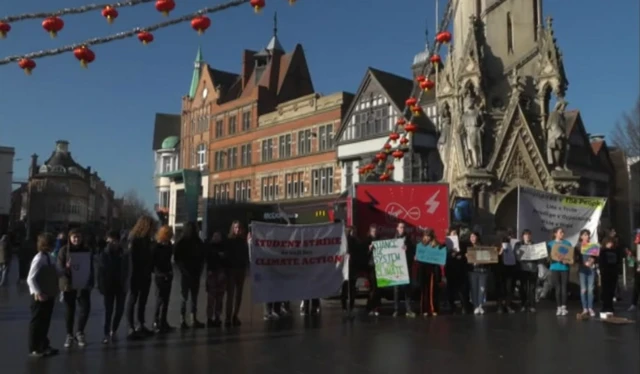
x=297, y=262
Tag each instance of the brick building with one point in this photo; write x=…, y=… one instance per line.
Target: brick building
x=263, y=139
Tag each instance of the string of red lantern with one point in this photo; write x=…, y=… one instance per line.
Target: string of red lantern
x=77, y=10
x=199, y=22
x=405, y=127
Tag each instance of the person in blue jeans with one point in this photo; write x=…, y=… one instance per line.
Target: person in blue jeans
x=587, y=274
x=477, y=278
x=560, y=272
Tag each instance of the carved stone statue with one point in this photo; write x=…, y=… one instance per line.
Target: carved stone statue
x=472, y=133
x=443, y=136
x=557, y=140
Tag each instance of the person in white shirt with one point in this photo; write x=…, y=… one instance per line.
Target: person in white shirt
x=43, y=287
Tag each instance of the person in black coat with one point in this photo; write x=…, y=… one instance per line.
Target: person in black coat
x=113, y=283
x=140, y=251
x=457, y=279
x=216, y=281
x=373, y=301
x=189, y=256
x=428, y=278
x=237, y=257
x=163, y=275
x=609, y=262
x=399, y=291
x=354, y=249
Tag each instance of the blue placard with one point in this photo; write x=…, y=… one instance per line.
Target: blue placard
x=431, y=255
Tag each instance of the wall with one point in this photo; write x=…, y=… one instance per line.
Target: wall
x=6, y=178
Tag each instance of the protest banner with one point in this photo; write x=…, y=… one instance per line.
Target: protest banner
x=431, y=255
x=562, y=253
x=483, y=255
x=541, y=212
x=297, y=262
x=591, y=249
x=80, y=269
x=391, y=263
x=532, y=252
x=453, y=243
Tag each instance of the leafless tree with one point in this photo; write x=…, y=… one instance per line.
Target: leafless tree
x=626, y=134
x=132, y=208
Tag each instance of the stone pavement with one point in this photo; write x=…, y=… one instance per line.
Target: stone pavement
x=492, y=343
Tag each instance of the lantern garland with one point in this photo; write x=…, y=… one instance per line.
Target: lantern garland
x=78, y=10
x=412, y=107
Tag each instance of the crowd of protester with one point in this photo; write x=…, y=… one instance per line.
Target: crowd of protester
x=124, y=268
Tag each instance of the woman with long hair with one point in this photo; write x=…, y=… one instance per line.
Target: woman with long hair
x=373, y=301
x=586, y=272
x=477, y=277
x=113, y=278
x=237, y=256
x=528, y=275
x=216, y=282
x=163, y=275
x=140, y=248
x=189, y=256
x=429, y=276
x=559, y=272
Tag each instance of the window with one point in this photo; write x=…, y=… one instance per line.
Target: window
x=322, y=181
x=325, y=134
x=166, y=164
x=372, y=122
x=509, y=34
x=201, y=156
x=164, y=199
x=348, y=168
x=304, y=142
x=219, y=160
x=232, y=158
x=242, y=191
x=232, y=125
x=246, y=121
x=270, y=188
x=221, y=193
x=219, y=128
x=416, y=167
x=267, y=150
x=245, y=155
x=294, y=185
x=285, y=146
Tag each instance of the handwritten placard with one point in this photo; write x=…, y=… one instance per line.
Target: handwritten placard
x=452, y=243
x=562, y=253
x=591, y=249
x=431, y=255
x=391, y=263
x=532, y=252
x=483, y=255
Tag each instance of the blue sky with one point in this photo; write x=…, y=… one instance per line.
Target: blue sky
x=107, y=111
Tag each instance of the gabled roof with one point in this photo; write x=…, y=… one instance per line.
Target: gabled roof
x=165, y=125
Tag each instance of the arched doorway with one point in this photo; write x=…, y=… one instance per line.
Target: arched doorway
x=506, y=215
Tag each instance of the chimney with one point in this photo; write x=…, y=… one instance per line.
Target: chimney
x=248, y=64
x=33, y=168
x=62, y=146
x=596, y=138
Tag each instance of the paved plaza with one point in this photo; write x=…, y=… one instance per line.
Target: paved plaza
x=493, y=343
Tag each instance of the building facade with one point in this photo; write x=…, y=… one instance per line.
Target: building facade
x=60, y=194
x=6, y=185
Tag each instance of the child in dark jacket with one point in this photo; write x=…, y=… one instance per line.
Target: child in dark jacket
x=609, y=260
x=163, y=275
x=216, y=281
x=113, y=283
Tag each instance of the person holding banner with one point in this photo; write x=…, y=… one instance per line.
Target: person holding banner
x=355, y=265
x=560, y=271
x=528, y=274
x=404, y=290
x=373, y=301
x=428, y=276
x=609, y=261
x=477, y=277
x=586, y=272
x=76, y=284
x=507, y=273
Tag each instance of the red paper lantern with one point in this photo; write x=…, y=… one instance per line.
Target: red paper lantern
x=145, y=37
x=394, y=136
x=398, y=154
x=292, y=2
x=411, y=101
x=401, y=122
x=381, y=157
x=390, y=167
x=410, y=128
x=27, y=65
x=53, y=25
x=416, y=110
x=200, y=24
x=387, y=147
x=165, y=6
x=404, y=141
x=435, y=59
x=4, y=29
x=427, y=84
x=110, y=13
x=84, y=55
x=421, y=78
x=257, y=5
x=385, y=177
x=443, y=37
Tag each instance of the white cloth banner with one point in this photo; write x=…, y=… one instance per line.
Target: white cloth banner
x=541, y=212
x=80, y=269
x=297, y=262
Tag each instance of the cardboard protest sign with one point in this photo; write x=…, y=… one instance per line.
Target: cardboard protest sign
x=591, y=249
x=483, y=255
x=562, y=253
x=431, y=255
x=391, y=263
x=533, y=252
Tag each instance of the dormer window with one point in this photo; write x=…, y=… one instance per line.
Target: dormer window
x=58, y=169
x=44, y=169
